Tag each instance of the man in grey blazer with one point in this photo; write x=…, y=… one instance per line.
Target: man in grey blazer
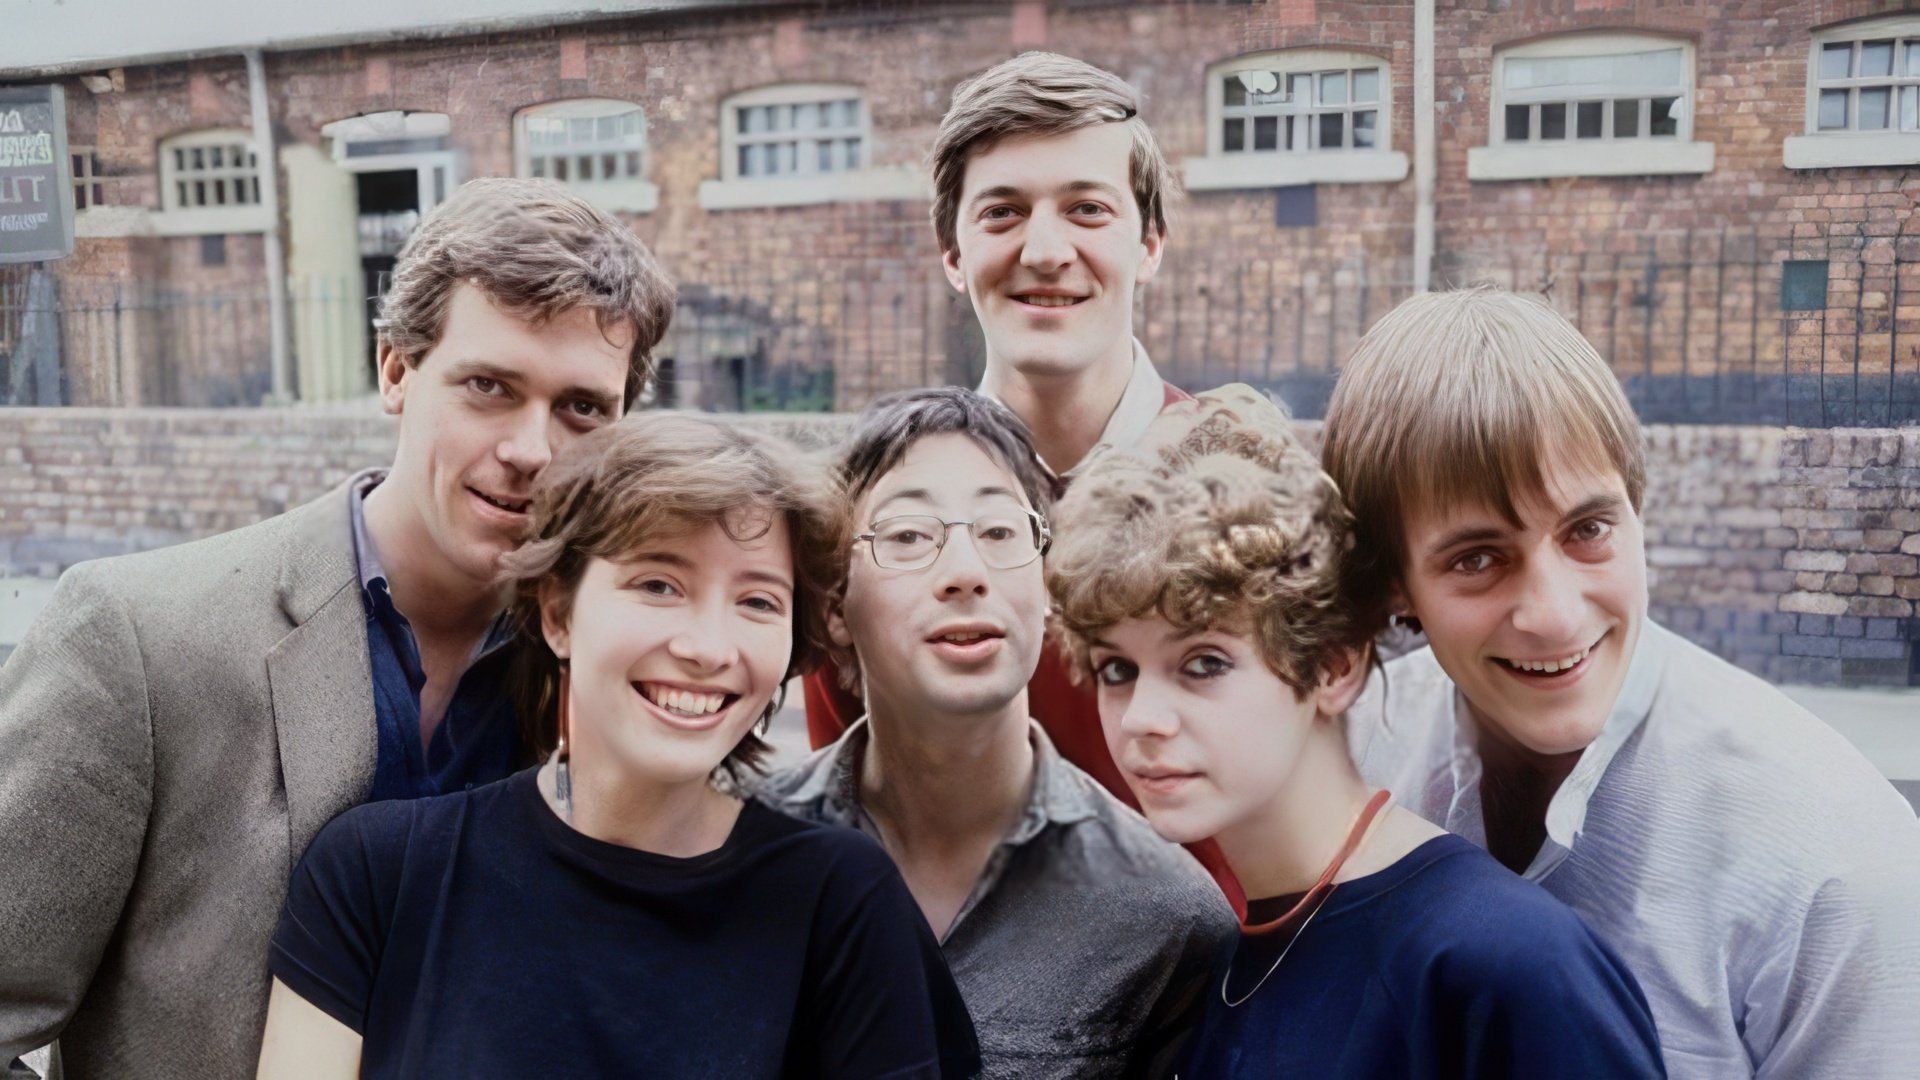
x=179, y=723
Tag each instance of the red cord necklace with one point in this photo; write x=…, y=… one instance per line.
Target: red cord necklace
x=1311, y=903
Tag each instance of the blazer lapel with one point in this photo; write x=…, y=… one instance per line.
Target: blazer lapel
x=319, y=675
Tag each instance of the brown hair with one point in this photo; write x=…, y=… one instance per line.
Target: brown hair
x=1218, y=518
x=665, y=473
x=881, y=437
x=1456, y=398
x=1043, y=93
x=535, y=250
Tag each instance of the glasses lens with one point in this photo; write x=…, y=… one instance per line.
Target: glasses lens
x=906, y=543
x=1004, y=539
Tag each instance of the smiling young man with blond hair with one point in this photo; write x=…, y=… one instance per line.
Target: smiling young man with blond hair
x=1755, y=872
x=180, y=723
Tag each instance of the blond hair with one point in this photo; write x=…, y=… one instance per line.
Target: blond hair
x=536, y=250
x=657, y=474
x=1043, y=93
x=1218, y=519
x=1459, y=398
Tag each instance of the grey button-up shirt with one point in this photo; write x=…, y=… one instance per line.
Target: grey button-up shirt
x=1085, y=945
x=1761, y=880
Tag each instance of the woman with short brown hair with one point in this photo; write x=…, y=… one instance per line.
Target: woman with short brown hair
x=620, y=910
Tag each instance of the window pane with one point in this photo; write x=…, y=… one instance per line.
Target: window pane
x=583, y=167
x=853, y=152
x=1333, y=88
x=1626, y=118
x=823, y=156
x=633, y=163
x=537, y=167
x=199, y=193
x=1909, y=108
x=753, y=121
x=1333, y=131
x=849, y=114
x=1873, y=107
x=1366, y=85
x=580, y=130
x=1364, y=131
x=1236, y=91
x=1233, y=135
x=609, y=166
x=1836, y=61
x=560, y=169
x=215, y=158
x=99, y=195
x=1587, y=123
x=1517, y=123
x=1666, y=117
x=1266, y=133
x=1553, y=121
x=1913, y=57
x=1300, y=90
x=1833, y=110
x=745, y=167
x=199, y=158
x=1876, y=58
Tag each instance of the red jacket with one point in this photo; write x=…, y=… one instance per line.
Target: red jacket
x=1067, y=712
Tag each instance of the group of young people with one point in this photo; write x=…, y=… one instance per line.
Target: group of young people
x=458, y=770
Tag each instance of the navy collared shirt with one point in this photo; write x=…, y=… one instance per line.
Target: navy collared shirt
x=476, y=742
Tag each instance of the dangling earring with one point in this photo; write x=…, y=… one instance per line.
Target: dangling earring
x=562, y=782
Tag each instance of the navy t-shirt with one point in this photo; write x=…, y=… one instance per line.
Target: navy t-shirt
x=476, y=934
x=1443, y=965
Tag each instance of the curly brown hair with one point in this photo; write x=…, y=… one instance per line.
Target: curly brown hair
x=659, y=474
x=1219, y=518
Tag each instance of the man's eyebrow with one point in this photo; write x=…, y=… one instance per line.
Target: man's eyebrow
x=462, y=370
x=1009, y=191
x=910, y=494
x=1467, y=534
x=997, y=191
x=1096, y=185
x=1589, y=507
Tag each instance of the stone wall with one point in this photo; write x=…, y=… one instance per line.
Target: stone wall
x=1793, y=553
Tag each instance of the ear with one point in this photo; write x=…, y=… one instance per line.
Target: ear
x=950, y=262
x=1155, y=242
x=1399, y=604
x=1339, y=689
x=553, y=622
x=394, y=373
x=837, y=625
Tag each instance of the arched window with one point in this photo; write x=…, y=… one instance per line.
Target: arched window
x=596, y=146
x=1590, y=104
x=1863, y=96
x=799, y=143
x=1298, y=116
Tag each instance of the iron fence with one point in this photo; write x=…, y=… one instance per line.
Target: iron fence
x=1723, y=327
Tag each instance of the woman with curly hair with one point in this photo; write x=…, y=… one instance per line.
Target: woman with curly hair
x=1198, y=580
x=620, y=910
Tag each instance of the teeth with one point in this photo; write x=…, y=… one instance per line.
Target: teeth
x=962, y=639
x=684, y=702
x=1549, y=667
x=1049, y=301
x=515, y=507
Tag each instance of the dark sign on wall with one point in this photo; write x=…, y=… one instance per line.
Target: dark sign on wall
x=36, y=190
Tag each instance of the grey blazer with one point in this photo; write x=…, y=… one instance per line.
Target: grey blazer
x=175, y=728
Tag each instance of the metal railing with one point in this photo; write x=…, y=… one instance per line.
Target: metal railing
x=1723, y=327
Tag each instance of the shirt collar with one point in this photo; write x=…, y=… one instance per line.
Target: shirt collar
x=1567, y=812
x=830, y=787
x=1142, y=399
x=373, y=573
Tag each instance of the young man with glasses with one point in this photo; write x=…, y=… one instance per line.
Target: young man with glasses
x=1079, y=939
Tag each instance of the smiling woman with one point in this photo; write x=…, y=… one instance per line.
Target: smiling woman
x=673, y=583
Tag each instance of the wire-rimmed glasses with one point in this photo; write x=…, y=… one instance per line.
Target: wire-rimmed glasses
x=1005, y=539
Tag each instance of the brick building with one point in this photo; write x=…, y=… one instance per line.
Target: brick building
x=1719, y=192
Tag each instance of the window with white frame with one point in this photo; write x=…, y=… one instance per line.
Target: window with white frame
x=801, y=143
x=1283, y=111
x=1297, y=116
x=1863, y=96
x=1592, y=105
x=799, y=138
x=88, y=191
x=210, y=183
x=596, y=146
